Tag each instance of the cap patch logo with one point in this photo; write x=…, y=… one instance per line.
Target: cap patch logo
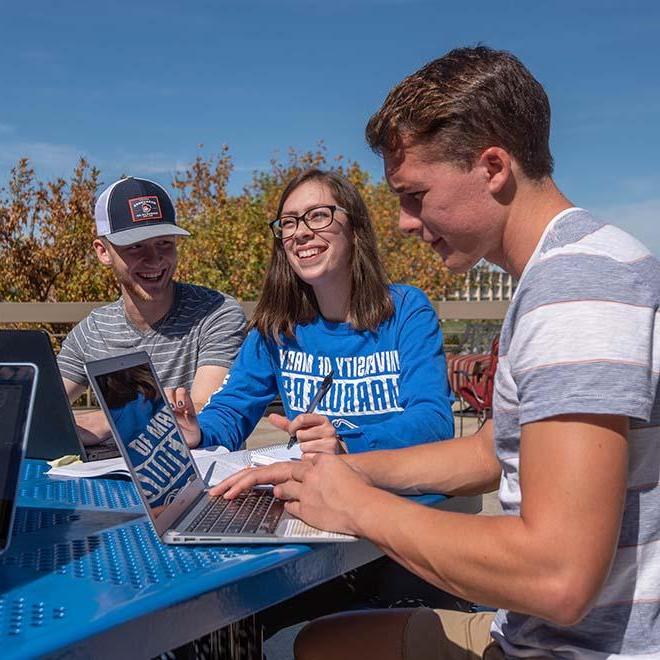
x=145, y=208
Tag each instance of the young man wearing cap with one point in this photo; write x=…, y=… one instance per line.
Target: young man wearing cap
x=191, y=333
x=574, y=564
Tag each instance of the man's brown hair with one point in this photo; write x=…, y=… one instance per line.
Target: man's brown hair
x=464, y=102
x=287, y=301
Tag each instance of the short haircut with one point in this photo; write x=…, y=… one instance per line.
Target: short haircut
x=286, y=300
x=465, y=102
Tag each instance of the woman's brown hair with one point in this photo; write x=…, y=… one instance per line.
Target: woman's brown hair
x=122, y=387
x=286, y=300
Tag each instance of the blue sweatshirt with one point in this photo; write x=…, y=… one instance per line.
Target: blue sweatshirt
x=390, y=387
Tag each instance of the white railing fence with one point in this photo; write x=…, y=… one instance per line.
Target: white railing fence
x=481, y=284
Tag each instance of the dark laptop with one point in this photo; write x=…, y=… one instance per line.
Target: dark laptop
x=17, y=388
x=52, y=432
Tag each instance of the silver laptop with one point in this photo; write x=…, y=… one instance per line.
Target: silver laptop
x=165, y=475
x=17, y=387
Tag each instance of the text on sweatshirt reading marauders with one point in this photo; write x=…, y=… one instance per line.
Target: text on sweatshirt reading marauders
x=362, y=385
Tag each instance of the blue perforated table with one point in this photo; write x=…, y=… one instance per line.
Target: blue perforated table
x=86, y=576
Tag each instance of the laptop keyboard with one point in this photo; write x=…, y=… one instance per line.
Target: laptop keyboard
x=253, y=512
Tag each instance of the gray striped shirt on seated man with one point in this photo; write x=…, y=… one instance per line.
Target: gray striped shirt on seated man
x=204, y=328
x=191, y=333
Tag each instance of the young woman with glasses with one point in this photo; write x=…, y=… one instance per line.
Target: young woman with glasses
x=327, y=306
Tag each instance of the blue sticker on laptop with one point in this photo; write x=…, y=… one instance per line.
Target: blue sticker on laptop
x=155, y=448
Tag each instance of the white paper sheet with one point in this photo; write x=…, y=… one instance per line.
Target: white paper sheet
x=225, y=463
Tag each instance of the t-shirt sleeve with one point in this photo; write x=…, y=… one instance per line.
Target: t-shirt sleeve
x=222, y=333
x=71, y=358
x=585, y=345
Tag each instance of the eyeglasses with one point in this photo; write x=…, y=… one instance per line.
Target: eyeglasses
x=317, y=218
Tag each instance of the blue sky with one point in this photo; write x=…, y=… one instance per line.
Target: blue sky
x=137, y=86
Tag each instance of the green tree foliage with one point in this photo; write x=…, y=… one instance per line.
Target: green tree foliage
x=46, y=230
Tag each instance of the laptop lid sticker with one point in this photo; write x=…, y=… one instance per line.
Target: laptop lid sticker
x=147, y=430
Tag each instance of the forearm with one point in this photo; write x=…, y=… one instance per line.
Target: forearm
x=493, y=560
x=461, y=466
x=221, y=426
x=552, y=559
x=93, y=426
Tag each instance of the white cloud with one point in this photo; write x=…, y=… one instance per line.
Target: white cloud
x=51, y=160
x=251, y=168
x=143, y=164
x=155, y=166
x=47, y=158
x=160, y=163
x=641, y=219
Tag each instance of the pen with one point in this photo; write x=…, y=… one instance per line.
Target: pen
x=209, y=472
x=320, y=393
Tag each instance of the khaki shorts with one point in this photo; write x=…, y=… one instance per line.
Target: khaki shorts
x=467, y=636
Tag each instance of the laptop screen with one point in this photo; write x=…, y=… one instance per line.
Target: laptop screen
x=16, y=388
x=145, y=427
x=52, y=432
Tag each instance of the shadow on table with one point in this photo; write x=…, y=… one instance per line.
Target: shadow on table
x=49, y=540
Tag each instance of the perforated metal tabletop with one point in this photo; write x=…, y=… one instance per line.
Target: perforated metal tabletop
x=85, y=569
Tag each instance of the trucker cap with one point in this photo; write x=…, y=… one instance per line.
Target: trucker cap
x=133, y=210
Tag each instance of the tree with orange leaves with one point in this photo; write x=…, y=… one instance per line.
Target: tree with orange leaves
x=46, y=230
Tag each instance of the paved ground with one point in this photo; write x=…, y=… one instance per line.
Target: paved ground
x=265, y=434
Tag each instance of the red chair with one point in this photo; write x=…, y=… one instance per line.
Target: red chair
x=478, y=389
x=462, y=368
x=472, y=379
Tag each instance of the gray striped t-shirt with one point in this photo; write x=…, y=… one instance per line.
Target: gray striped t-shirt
x=204, y=327
x=582, y=335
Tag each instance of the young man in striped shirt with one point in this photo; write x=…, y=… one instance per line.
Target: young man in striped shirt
x=191, y=333
x=574, y=564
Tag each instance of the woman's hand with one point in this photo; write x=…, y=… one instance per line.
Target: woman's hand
x=315, y=433
x=184, y=411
